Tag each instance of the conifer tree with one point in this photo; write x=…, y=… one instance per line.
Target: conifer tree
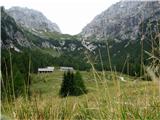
x=72, y=85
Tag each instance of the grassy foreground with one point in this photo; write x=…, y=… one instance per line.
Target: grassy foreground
x=108, y=98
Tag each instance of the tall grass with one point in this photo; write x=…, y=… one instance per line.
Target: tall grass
x=125, y=101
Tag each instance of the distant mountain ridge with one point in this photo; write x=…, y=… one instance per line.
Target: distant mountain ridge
x=121, y=21
x=32, y=19
x=16, y=36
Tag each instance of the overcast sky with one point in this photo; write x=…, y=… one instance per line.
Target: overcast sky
x=70, y=15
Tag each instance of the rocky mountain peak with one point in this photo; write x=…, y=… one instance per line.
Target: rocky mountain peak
x=121, y=20
x=32, y=19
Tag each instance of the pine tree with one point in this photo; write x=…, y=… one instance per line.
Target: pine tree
x=72, y=85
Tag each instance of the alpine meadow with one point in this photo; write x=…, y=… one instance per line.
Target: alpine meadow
x=108, y=71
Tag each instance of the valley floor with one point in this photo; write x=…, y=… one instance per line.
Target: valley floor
x=111, y=99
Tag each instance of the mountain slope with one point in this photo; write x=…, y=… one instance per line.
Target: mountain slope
x=129, y=29
x=32, y=19
x=121, y=21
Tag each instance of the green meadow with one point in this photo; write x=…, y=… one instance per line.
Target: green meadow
x=109, y=98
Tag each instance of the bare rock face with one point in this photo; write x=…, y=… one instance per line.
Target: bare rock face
x=22, y=41
x=11, y=32
x=32, y=19
x=121, y=21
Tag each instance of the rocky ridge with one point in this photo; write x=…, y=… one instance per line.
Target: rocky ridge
x=32, y=19
x=121, y=21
